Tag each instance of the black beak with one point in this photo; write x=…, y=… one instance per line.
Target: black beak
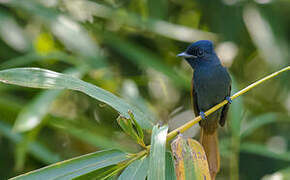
x=185, y=55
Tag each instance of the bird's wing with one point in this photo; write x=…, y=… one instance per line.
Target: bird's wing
x=194, y=99
x=225, y=110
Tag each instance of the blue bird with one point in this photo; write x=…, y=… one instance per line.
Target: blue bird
x=211, y=84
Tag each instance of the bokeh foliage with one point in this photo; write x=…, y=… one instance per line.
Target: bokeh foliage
x=129, y=48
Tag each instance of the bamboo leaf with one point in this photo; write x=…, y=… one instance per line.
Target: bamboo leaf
x=35, y=57
x=98, y=174
x=33, y=113
x=162, y=28
x=257, y=122
x=157, y=153
x=262, y=150
x=62, y=27
x=236, y=116
x=136, y=171
x=144, y=58
x=88, y=133
x=134, y=131
x=10, y=31
x=235, y=112
x=31, y=116
x=169, y=169
x=138, y=127
x=35, y=149
x=127, y=127
x=190, y=159
x=41, y=78
x=77, y=166
x=158, y=9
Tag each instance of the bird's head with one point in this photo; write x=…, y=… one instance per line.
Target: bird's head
x=198, y=51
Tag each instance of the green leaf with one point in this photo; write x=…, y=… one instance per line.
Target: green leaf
x=89, y=133
x=33, y=113
x=268, y=48
x=236, y=116
x=41, y=78
x=31, y=116
x=22, y=147
x=134, y=131
x=157, y=153
x=62, y=26
x=169, y=169
x=257, y=122
x=236, y=112
x=35, y=57
x=131, y=94
x=262, y=150
x=98, y=174
x=158, y=9
x=162, y=28
x=77, y=166
x=111, y=172
x=10, y=31
x=142, y=57
x=35, y=149
x=136, y=171
x=127, y=127
x=138, y=127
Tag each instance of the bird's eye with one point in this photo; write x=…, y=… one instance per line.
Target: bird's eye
x=195, y=51
x=200, y=52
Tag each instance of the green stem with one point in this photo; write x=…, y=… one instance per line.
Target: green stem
x=234, y=158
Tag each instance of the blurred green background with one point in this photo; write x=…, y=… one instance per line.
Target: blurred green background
x=129, y=48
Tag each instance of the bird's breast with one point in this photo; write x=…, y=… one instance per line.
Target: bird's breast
x=211, y=86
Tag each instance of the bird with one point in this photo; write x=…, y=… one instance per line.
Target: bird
x=211, y=84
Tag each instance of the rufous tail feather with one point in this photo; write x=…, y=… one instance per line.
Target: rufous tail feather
x=209, y=142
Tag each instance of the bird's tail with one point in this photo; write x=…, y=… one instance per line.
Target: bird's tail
x=209, y=142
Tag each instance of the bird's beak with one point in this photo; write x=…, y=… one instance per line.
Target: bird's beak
x=185, y=55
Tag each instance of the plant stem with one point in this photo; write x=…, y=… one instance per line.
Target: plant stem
x=186, y=126
x=234, y=158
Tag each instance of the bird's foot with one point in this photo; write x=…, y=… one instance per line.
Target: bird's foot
x=179, y=134
x=229, y=99
x=202, y=115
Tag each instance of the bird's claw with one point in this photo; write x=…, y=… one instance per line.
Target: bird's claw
x=179, y=134
x=202, y=114
x=229, y=99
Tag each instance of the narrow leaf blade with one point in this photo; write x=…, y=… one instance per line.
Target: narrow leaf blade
x=98, y=174
x=136, y=171
x=77, y=166
x=157, y=153
x=263, y=150
x=41, y=78
x=169, y=170
x=138, y=127
x=35, y=149
x=34, y=112
x=258, y=122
